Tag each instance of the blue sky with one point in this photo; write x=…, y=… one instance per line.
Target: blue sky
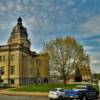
x=48, y=19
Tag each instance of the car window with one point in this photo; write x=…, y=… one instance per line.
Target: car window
x=61, y=90
x=90, y=88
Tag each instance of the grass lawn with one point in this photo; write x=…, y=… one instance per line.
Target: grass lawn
x=42, y=87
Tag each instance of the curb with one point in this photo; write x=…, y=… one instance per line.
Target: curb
x=13, y=93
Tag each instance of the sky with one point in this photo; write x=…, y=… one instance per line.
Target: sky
x=47, y=19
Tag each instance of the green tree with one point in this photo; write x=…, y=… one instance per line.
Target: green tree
x=64, y=54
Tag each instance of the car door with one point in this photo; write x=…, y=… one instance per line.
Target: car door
x=91, y=92
x=62, y=92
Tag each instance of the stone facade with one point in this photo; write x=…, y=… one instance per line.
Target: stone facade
x=18, y=64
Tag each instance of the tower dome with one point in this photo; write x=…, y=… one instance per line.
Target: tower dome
x=19, y=28
x=19, y=34
x=20, y=20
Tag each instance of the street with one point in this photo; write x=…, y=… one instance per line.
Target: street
x=8, y=97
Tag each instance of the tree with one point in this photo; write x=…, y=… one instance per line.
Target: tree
x=87, y=63
x=64, y=54
x=78, y=77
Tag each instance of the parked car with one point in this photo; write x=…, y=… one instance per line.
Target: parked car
x=57, y=93
x=82, y=92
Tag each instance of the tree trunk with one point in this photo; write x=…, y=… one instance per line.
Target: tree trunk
x=64, y=80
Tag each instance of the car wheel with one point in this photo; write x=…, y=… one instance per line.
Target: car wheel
x=51, y=99
x=60, y=98
x=84, y=98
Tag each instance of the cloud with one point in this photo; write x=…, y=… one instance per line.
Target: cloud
x=92, y=26
x=95, y=58
x=98, y=40
x=48, y=19
x=95, y=66
x=1, y=25
x=70, y=2
x=88, y=48
x=84, y=1
x=95, y=61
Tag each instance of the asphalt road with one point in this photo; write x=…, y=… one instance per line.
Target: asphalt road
x=7, y=97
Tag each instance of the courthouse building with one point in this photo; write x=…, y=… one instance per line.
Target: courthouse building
x=18, y=64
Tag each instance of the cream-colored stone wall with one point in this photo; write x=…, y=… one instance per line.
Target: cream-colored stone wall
x=25, y=66
x=24, y=61
x=15, y=63
x=42, y=62
x=5, y=65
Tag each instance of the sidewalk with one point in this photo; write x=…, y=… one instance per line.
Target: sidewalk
x=15, y=93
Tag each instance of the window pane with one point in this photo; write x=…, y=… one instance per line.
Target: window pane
x=12, y=57
x=2, y=70
x=12, y=81
x=3, y=58
x=12, y=69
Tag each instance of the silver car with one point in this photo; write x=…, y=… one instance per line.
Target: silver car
x=57, y=93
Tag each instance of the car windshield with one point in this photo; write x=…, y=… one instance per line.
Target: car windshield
x=54, y=90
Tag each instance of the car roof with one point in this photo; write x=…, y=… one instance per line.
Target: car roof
x=81, y=85
x=58, y=88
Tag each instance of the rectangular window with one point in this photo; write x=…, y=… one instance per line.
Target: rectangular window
x=3, y=58
x=1, y=80
x=12, y=71
x=12, y=81
x=2, y=70
x=12, y=57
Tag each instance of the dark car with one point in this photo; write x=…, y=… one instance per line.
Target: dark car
x=83, y=92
